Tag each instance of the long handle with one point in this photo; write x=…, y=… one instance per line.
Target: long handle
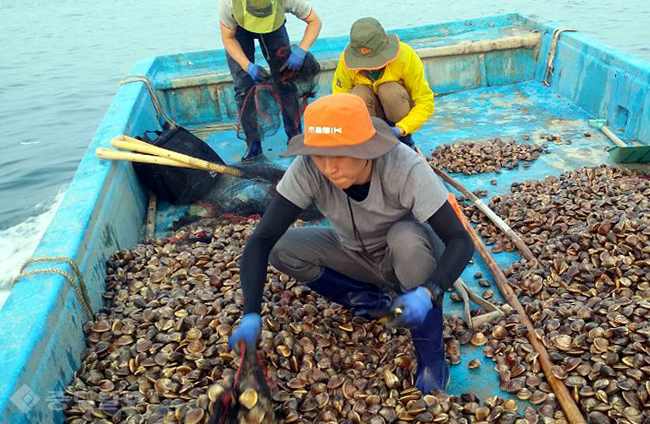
x=128, y=143
x=496, y=219
x=613, y=137
x=136, y=157
x=561, y=392
x=132, y=140
x=151, y=216
x=461, y=289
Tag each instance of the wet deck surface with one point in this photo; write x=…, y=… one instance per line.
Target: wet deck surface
x=506, y=112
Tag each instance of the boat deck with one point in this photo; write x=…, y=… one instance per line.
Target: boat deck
x=507, y=112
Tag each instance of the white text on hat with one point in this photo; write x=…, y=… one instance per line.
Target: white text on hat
x=326, y=130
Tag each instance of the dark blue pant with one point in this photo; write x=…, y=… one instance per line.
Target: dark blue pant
x=272, y=45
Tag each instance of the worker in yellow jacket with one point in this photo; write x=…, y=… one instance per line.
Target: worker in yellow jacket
x=388, y=75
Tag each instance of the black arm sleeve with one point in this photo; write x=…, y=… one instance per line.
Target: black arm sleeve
x=458, y=247
x=277, y=218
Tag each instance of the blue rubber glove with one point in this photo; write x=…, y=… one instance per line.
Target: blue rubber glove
x=248, y=331
x=416, y=305
x=397, y=132
x=296, y=59
x=256, y=72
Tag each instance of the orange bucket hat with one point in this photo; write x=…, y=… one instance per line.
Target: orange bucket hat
x=340, y=125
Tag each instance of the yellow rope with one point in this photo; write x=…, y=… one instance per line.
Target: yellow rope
x=551, y=53
x=80, y=290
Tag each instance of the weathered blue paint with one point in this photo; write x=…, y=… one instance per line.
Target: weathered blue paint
x=486, y=95
x=605, y=82
x=513, y=66
x=40, y=325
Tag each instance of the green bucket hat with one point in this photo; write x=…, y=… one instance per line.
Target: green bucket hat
x=370, y=46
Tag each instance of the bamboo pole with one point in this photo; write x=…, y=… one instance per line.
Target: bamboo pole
x=496, y=219
x=567, y=402
x=148, y=153
x=128, y=143
x=137, y=157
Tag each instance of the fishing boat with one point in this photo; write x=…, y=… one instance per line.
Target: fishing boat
x=502, y=76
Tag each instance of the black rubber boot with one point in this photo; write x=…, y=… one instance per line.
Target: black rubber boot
x=253, y=151
x=361, y=298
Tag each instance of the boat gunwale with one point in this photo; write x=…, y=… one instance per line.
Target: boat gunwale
x=36, y=302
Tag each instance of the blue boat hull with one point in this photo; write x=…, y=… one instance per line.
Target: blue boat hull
x=487, y=74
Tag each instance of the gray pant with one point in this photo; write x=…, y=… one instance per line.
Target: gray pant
x=407, y=262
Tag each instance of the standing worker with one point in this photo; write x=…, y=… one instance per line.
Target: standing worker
x=388, y=75
x=244, y=21
x=393, y=230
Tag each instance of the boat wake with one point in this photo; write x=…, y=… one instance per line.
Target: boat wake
x=17, y=243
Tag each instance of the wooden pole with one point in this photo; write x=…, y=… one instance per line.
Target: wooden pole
x=128, y=143
x=496, y=219
x=137, y=157
x=151, y=217
x=565, y=399
x=613, y=137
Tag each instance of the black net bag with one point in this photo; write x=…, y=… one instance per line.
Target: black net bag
x=178, y=185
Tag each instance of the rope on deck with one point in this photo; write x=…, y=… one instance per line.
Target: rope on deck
x=551, y=53
x=160, y=111
x=217, y=127
x=80, y=289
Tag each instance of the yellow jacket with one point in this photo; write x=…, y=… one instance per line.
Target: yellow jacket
x=408, y=70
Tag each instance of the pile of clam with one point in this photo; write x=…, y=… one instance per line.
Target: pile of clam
x=551, y=215
x=158, y=352
x=487, y=156
x=516, y=362
x=589, y=299
x=600, y=345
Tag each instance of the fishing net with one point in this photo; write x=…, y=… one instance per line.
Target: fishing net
x=211, y=193
x=282, y=98
x=244, y=197
x=173, y=184
x=251, y=196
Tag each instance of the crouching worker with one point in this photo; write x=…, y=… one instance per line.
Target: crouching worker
x=388, y=212
x=388, y=75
